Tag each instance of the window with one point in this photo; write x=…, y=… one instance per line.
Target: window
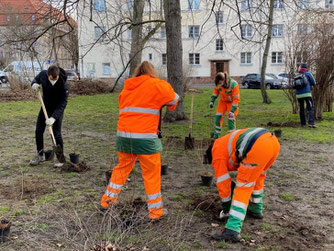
x=193, y=4
x=303, y=4
x=277, y=30
x=150, y=56
x=163, y=32
x=129, y=34
x=164, y=59
x=148, y=29
x=278, y=4
x=26, y=7
x=17, y=18
x=329, y=4
x=246, y=4
x=194, y=31
x=99, y=5
x=91, y=69
x=219, y=45
x=8, y=19
x=33, y=18
x=106, y=69
x=246, y=58
x=277, y=57
x=219, y=17
x=100, y=33
x=302, y=29
x=194, y=59
x=246, y=31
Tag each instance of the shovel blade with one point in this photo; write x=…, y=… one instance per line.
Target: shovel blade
x=59, y=153
x=189, y=143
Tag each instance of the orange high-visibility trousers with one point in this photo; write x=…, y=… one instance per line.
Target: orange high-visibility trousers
x=224, y=108
x=250, y=179
x=151, y=172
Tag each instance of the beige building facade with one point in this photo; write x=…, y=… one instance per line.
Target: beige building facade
x=214, y=38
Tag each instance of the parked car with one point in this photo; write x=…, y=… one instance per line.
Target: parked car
x=286, y=77
x=72, y=75
x=253, y=80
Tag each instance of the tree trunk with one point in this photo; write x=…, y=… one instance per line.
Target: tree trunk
x=265, y=96
x=136, y=34
x=174, y=56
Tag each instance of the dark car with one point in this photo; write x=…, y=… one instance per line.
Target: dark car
x=72, y=75
x=253, y=80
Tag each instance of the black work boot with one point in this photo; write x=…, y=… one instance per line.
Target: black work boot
x=255, y=215
x=227, y=235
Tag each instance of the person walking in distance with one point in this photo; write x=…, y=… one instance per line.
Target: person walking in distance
x=53, y=82
x=140, y=102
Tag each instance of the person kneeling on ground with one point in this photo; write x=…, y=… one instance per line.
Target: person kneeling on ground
x=55, y=93
x=140, y=104
x=250, y=152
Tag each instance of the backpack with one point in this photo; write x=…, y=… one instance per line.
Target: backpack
x=300, y=81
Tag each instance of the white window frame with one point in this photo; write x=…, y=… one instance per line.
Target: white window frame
x=277, y=30
x=303, y=29
x=164, y=59
x=193, y=31
x=279, y=4
x=194, y=58
x=246, y=31
x=105, y=70
x=278, y=56
x=194, y=5
x=219, y=17
x=246, y=5
x=99, y=5
x=219, y=45
x=246, y=58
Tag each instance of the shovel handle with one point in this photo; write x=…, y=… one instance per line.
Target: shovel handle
x=46, y=117
x=191, y=113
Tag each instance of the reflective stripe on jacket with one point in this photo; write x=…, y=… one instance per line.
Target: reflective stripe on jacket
x=230, y=94
x=139, y=104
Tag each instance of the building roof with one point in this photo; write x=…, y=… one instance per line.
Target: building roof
x=29, y=12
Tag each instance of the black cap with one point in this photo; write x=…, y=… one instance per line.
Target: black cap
x=303, y=65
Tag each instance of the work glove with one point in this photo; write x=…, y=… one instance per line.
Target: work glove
x=223, y=215
x=211, y=104
x=36, y=87
x=50, y=121
x=231, y=115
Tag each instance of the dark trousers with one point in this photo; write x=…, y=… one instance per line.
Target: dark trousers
x=40, y=128
x=310, y=109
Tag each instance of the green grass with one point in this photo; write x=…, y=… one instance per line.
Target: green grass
x=287, y=197
x=266, y=226
x=221, y=245
x=101, y=111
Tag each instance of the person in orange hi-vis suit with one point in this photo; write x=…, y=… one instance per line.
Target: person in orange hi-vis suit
x=228, y=89
x=140, y=102
x=250, y=152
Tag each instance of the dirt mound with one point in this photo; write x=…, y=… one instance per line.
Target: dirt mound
x=71, y=167
x=89, y=87
x=210, y=204
x=283, y=124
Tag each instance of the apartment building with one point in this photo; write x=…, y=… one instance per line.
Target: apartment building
x=214, y=38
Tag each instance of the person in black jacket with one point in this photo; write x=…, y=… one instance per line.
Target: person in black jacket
x=55, y=93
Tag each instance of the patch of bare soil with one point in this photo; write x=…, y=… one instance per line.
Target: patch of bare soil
x=71, y=167
x=283, y=124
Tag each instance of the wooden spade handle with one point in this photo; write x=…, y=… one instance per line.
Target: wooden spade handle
x=46, y=117
x=191, y=113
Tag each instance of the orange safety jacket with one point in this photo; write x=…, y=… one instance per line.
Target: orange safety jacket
x=229, y=94
x=139, y=108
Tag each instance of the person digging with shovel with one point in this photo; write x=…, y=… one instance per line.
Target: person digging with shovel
x=228, y=89
x=250, y=152
x=53, y=82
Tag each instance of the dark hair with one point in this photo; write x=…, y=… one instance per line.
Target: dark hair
x=53, y=71
x=145, y=68
x=222, y=76
x=303, y=65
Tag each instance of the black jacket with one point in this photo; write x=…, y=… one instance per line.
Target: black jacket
x=54, y=96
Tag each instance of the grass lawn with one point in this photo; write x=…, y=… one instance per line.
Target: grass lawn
x=101, y=111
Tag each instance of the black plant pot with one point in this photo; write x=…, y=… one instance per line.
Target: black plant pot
x=164, y=169
x=48, y=154
x=4, y=230
x=206, y=179
x=74, y=158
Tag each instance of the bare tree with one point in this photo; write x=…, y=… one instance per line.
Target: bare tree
x=174, y=55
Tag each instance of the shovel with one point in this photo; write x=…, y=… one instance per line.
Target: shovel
x=56, y=148
x=189, y=141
